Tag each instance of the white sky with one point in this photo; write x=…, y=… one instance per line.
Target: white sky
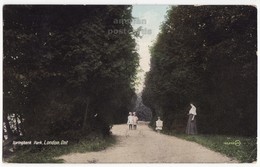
x=150, y=18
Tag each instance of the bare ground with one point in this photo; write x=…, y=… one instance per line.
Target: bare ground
x=146, y=146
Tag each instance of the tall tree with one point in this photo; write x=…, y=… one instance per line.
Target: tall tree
x=65, y=74
x=206, y=55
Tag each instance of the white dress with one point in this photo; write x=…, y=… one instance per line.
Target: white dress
x=135, y=119
x=159, y=125
x=130, y=120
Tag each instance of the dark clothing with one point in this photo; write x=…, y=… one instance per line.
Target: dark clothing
x=191, y=128
x=130, y=126
x=134, y=127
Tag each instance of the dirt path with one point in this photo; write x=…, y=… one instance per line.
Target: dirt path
x=146, y=146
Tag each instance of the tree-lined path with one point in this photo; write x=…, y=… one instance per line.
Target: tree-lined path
x=70, y=72
x=144, y=145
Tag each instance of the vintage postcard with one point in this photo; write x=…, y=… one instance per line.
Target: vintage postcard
x=129, y=83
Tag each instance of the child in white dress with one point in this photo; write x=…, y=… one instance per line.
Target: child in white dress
x=130, y=121
x=135, y=120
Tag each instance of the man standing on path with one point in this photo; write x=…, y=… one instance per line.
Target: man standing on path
x=130, y=121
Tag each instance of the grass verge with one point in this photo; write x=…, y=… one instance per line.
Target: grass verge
x=47, y=154
x=244, y=149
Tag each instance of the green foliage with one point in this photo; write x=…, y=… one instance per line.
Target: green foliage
x=245, y=152
x=205, y=55
x=65, y=75
x=49, y=154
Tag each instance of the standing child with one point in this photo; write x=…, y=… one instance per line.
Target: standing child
x=130, y=121
x=135, y=120
x=159, y=125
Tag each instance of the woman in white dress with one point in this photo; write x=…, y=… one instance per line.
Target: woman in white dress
x=191, y=128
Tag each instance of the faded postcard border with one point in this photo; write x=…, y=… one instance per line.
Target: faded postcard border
x=175, y=2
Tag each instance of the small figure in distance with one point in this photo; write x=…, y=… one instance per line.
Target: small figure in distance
x=135, y=121
x=130, y=121
x=159, y=125
x=191, y=128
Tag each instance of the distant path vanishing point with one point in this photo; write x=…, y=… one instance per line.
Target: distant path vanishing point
x=146, y=146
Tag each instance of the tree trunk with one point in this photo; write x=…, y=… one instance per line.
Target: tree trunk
x=86, y=114
x=21, y=125
x=7, y=125
x=17, y=125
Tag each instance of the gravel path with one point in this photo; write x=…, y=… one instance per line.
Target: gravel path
x=146, y=146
